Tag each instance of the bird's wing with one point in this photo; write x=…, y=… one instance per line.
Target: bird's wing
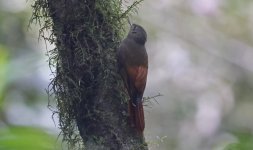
x=138, y=75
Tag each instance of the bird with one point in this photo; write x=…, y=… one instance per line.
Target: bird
x=132, y=60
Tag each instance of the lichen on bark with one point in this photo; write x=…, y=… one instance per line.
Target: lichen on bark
x=91, y=101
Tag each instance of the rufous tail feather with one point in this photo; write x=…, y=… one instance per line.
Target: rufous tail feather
x=137, y=116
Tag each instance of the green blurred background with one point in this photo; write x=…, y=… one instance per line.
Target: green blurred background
x=201, y=60
x=25, y=120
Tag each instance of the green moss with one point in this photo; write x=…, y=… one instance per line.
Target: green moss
x=86, y=34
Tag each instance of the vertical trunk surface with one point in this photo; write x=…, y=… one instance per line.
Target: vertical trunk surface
x=91, y=98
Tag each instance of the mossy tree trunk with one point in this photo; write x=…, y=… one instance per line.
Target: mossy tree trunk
x=90, y=96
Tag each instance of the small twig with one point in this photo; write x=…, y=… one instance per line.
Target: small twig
x=130, y=8
x=147, y=100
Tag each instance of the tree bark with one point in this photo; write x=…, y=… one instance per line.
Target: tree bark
x=90, y=95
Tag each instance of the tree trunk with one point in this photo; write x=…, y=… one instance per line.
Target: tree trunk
x=90, y=95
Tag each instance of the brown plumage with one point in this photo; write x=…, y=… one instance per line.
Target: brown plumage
x=133, y=67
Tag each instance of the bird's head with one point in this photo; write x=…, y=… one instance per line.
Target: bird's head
x=138, y=34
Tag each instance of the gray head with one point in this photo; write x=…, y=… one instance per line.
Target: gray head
x=138, y=34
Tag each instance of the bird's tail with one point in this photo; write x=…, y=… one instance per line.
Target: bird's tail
x=137, y=115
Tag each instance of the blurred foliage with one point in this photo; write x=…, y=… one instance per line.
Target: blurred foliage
x=245, y=142
x=26, y=138
x=3, y=73
x=20, y=96
x=201, y=61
